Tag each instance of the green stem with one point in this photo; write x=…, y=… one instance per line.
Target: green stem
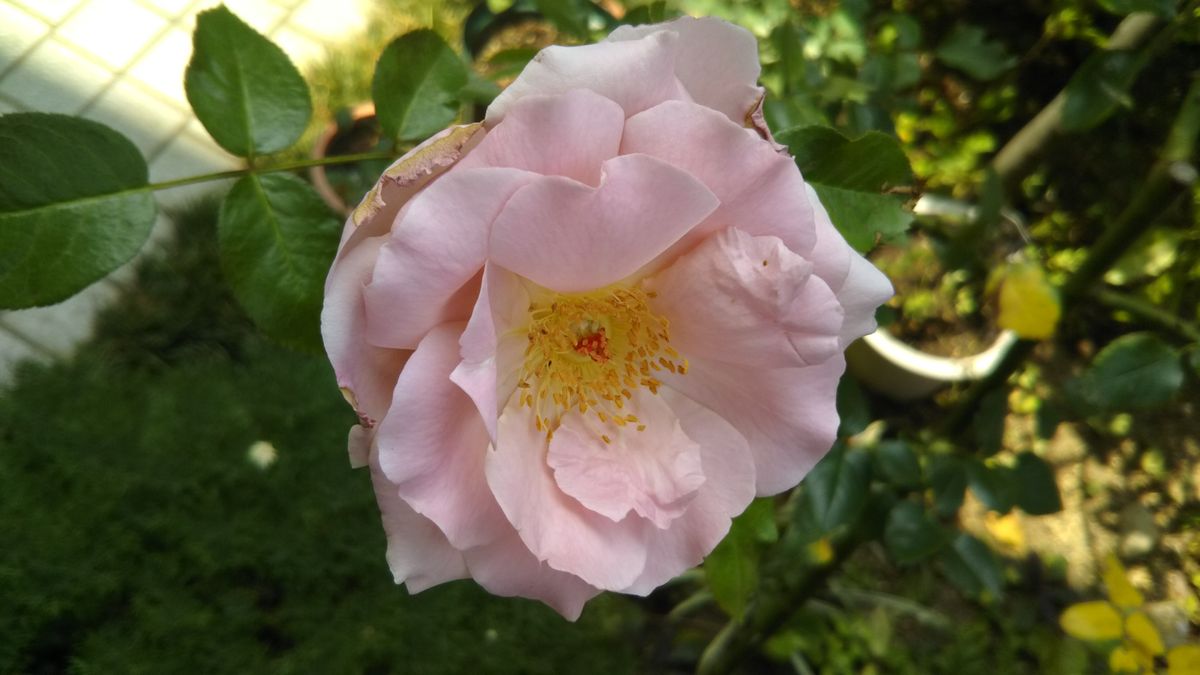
x=1019, y=156
x=767, y=613
x=284, y=166
x=1148, y=312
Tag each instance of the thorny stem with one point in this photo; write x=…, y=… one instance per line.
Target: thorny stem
x=283, y=166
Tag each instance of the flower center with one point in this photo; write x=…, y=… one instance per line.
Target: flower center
x=590, y=351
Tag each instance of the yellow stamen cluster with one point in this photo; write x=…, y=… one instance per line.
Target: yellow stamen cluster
x=590, y=352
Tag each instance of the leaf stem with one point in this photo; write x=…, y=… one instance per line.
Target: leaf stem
x=1148, y=312
x=283, y=166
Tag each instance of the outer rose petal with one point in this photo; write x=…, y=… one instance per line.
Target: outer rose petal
x=436, y=248
x=726, y=458
x=569, y=237
x=750, y=301
x=761, y=191
x=365, y=373
x=505, y=567
x=432, y=444
x=492, y=351
x=417, y=551
x=860, y=287
x=555, y=527
x=717, y=62
x=654, y=472
x=788, y=415
x=636, y=74
x=580, y=127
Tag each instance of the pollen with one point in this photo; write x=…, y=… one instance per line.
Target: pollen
x=590, y=351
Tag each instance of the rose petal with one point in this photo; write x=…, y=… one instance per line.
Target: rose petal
x=493, y=350
x=859, y=285
x=569, y=135
x=365, y=373
x=717, y=62
x=555, y=527
x=788, y=415
x=406, y=176
x=432, y=444
x=760, y=190
x=569, y=237
x=749, y=301
x=424, y=272
x=726, y=458
x=654, y=472
x=505, y=567
x=636, y=74
x=417, y=552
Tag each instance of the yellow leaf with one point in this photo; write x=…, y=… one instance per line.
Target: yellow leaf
x=1124, y=660
x=1028, y=303
x=1120, y=591
x=1184, y=660
x=1143, y=633
x=1097, y=620
x=1006, y=530
x=821, y=551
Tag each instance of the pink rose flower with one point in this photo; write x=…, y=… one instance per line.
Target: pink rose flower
x=582, y=335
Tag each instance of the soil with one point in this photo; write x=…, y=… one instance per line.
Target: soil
x=938, y=311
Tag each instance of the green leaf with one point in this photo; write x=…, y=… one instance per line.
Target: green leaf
x=948, y=481
x=898, y=464
x=1138, y=370
x=1098, y=88
x=277, y=240
x=651, y=12
x=731, y=570
x=1036, y=489
x=760, y=519
x=971, y=565
x=243, y=88
x=862, y=217
x=1095, y=620
x=417, y=85
x=910, y=534
x=995, y=486
x=854, y=410
x=73, y=206
x=849, y=177
x=836, y=489
x=570, y=16
x=1163, y=8
x=872, y=162
x=968, y=49
x=987, y=428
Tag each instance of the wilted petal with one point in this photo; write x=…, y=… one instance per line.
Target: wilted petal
x=424, y=272
x=366, y=373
